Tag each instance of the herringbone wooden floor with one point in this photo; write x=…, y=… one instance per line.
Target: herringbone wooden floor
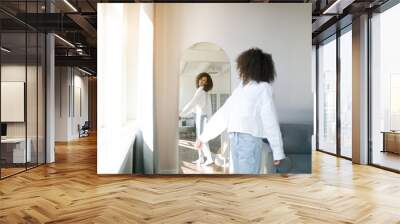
x=70, y=191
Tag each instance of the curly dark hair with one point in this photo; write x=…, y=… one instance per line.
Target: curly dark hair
x=256, y=65
x=209, y=84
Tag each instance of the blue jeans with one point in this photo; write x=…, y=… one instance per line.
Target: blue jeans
x=205, y=149
x=246, y=153
x=200, y=125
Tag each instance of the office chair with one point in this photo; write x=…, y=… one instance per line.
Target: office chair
x=84, y=130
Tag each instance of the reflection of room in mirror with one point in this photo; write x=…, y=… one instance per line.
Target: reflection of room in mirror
x=202, y=58
x=223, y=98
x=213, y=103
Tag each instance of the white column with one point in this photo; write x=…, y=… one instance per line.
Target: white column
x=50, y=99
x=360, y=90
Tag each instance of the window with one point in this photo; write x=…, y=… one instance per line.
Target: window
x=327, y=96
x=22, y=77
x=346, y=93
x=333, y=137
x=395, y=102
x=385, y=89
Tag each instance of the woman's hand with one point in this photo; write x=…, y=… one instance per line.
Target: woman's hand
x=276, y=163
x=284, y=175
x=198, y=144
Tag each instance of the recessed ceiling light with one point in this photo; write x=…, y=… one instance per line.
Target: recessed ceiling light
x=64, y=40
x=326, y=11
x=70, y=5
x=84, y=71
x=5, y=50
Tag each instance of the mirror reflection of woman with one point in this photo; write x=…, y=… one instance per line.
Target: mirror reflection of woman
x=200, y=104
x=249, y=115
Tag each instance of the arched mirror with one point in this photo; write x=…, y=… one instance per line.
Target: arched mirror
x=205, y=84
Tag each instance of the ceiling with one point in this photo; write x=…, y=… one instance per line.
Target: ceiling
x=76, y=22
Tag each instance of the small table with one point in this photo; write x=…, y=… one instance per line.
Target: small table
x=391, y=141
x=13, y=150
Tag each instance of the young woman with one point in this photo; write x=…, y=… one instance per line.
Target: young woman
x=249, y=115
x=200, y=104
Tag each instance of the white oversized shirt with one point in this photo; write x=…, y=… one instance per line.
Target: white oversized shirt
x=250, y=109
x=199, y=104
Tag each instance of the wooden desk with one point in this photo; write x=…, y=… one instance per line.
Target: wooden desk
x=391, y=141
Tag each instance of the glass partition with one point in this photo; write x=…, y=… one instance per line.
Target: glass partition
x=32, y=95
x=22, y=88
x=346, y=93
x=14, y=153
x=41, y=107
x=327, y=96
x=385, y=89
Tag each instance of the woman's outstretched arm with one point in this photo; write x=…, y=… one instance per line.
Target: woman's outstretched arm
x=217, y=124
x=190, y=106
x=271, y=125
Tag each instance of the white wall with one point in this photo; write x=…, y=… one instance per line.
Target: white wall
x=125, y=85
x=79, y=117
x=68, y=81
x=284, y=30
x=62, y=81
x=33, y=127
x=16, y=73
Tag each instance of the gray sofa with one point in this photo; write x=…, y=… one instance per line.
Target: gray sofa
x=297, y=147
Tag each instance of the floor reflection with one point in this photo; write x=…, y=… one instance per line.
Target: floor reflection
x=188, y=153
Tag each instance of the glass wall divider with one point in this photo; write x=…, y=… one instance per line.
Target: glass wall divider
x=317, y=96
x=345, y=92
x=37, y=95
x=369, y=79
x=26, y=88
x=333, y=113
x=326, y=103
x=338, y=124
x=1, y=157
x=384, y=87
x=22, y=92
